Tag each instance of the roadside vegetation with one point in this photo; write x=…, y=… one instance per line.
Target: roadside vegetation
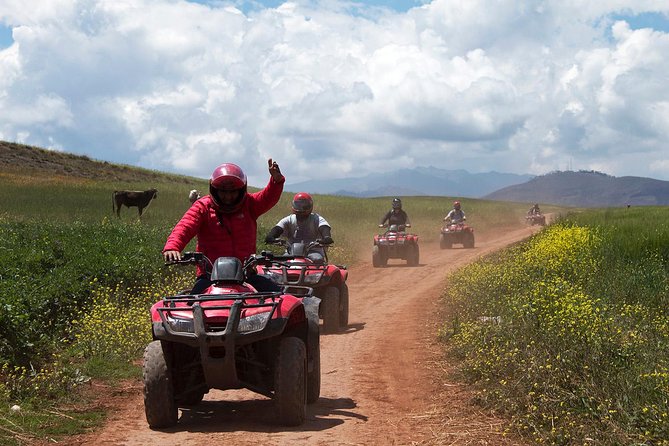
x=568, y=332
x=76, y=282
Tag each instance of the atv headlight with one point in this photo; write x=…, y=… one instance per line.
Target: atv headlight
x=255, y=322
x=313, y=279
x=180, y=325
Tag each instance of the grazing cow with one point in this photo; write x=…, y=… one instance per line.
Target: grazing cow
x=138, y=198
x=193, y=196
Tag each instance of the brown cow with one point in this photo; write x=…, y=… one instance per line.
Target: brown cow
x=138, y=198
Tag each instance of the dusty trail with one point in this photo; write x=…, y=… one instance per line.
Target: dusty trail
x=382, y=379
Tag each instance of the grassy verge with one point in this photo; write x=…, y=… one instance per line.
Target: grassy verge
x=568, y=333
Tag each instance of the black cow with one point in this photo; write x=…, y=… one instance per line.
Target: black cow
x=138, y=198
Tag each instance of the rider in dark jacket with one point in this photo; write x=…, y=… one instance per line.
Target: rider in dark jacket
x=396, y=216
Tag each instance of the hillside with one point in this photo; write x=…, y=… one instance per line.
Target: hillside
x=425, y=181
x=19, y=158
x=587, y=189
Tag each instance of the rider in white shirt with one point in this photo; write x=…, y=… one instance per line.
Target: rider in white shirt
x=303, y=225
x=456, y=215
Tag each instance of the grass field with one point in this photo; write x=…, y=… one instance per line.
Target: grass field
x=568, y=333
x=576, y=350
x=77, y=281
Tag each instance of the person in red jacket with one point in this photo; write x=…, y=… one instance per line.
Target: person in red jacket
x=224, y=221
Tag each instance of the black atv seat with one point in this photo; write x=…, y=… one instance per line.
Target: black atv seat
x=228, y=269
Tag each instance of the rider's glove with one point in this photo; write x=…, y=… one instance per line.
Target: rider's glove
x=327, y=240
x=380, y=226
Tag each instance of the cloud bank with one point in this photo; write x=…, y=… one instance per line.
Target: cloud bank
x=336, y=89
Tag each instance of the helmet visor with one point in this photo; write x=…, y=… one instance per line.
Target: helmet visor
x=302, y=206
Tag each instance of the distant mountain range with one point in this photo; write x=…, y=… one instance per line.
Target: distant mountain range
x=587, y=189
x=569, y=188
x=428, y=181
x=579, y=189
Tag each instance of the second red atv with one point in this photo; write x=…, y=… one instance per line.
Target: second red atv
x=456, y=233
x=232, y=337
x=395, y=243
x=328, y=280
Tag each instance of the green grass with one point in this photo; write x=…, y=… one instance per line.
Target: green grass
x=77, y=282
x=568, y=333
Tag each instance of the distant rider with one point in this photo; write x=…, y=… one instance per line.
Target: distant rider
x=395, y=216
x=303, y=225
x=224, y=221
x=456, y=215
x=534, y=210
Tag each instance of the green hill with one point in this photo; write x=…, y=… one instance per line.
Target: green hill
x=29, y=160
x=587, y=189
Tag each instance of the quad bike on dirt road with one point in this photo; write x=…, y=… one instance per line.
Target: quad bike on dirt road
x=536, y=219
x=327, y=280
x=395, y=243
x=232, y=337
x=456, y=233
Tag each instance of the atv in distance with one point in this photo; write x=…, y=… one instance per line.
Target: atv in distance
x=536, y=219
x=395, y=243
x=328, y=280
x=231, y=337
x=456, y=233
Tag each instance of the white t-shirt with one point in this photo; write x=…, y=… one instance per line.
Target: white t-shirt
x=456, y=215
x=302, y=231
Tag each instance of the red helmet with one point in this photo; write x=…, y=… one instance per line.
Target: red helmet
x=456, y=205
x=228, y=177
x=303, y=204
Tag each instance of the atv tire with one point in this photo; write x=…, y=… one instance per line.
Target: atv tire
x=414, y=256
x=376, y=257
x=290, y=377
x=159, y=405
x=313, y=366
x=330, y=311
x=445, y=242
x=343, y=305
x=469, y=241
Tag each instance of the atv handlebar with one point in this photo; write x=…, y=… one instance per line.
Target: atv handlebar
x=198, y=258
x=190, y=258
x=283, y=242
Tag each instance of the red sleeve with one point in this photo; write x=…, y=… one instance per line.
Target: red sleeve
x=264, y=200
x=187, y=227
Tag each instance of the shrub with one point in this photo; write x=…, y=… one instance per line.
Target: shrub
x=568, y=335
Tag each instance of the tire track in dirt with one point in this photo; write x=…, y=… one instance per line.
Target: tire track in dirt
x=382, y=379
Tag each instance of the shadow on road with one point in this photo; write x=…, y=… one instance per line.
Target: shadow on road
x=351, y=328
x=258, y=415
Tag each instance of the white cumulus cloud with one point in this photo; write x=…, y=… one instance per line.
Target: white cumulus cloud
x=332, y=91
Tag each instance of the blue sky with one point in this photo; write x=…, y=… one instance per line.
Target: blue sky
x=518, y=87
x=654, y=20
x=5, y=36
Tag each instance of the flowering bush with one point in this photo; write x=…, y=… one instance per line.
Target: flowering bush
x=558, y=333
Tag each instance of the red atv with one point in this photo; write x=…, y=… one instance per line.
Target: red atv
x=327, y=280
x=232, y=337
x=395, y=243
x=536, y=219
x=452, y=233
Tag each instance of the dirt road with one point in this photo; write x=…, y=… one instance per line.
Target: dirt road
x=383, y=380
